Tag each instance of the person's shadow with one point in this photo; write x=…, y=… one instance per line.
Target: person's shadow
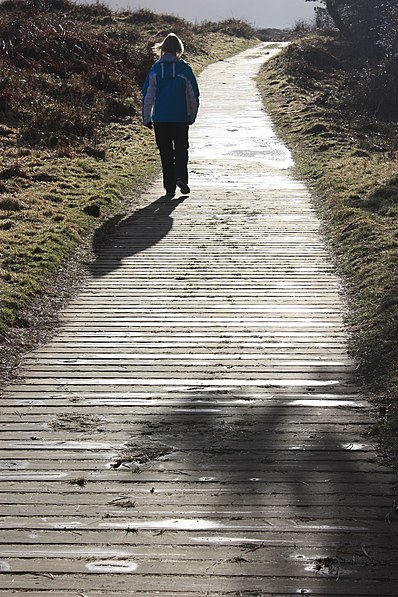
x=122, y=237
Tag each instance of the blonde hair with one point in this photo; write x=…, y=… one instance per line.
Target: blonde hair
x=170, y=45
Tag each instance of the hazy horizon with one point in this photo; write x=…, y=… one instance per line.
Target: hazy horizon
x=260, y=13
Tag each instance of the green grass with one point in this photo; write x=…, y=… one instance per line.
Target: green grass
x=350, y=161
x=48, y=219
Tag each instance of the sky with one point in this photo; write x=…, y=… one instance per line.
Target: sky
x=260, y=13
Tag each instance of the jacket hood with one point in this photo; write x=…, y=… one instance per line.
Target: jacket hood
x=169, y=58
x=169, y=66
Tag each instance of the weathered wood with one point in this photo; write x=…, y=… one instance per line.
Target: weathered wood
x=375, y=491
x=272, y=514
x=135, y=475
x=24, y=467
x=267, y=552
x=178, y=499
x=237, y=565
x=297, y=538
x=111, y=584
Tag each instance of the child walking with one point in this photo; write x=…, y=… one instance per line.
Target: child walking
x=170, y=100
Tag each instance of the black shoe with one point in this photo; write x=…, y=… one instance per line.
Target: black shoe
x=169, y=194
x=184, y=188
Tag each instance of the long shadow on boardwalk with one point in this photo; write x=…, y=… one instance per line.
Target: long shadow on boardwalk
x=122, y=237
x=299, y=511
x=309, y=514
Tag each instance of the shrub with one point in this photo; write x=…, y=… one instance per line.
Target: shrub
x=369, y=88
x=374, y=88
x=234, y=27
x=59, y=80
x=141, y=16
x=310, y=59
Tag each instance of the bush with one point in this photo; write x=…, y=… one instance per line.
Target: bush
x=61, y=81
x=140, y=16
x=311, y=59
x=368, y=89
x=375, y=88
x=234, y=27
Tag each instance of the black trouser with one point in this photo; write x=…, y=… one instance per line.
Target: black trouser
x=172, y=141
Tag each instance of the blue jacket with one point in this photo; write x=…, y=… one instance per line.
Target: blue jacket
x=170, y=92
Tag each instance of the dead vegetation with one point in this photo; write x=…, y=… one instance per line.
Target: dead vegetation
x=137, y=454
x=78, y=423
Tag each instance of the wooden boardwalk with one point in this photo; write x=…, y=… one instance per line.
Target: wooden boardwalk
x=194, y=427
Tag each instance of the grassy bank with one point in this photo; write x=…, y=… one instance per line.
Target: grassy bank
x=74, y=152
x=348, y=154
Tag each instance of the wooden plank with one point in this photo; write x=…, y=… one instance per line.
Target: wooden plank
x=375, y=491
x=193, y=524
x=176, y=553
x=298, y=538
x=256, y=455
x=90, y=467
x=125, y=499
x=220, y=440
x=230, y=567
x=57, y=557
x=288, y=382
x=136, y=475
x=271, y=513
x=112, y=583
